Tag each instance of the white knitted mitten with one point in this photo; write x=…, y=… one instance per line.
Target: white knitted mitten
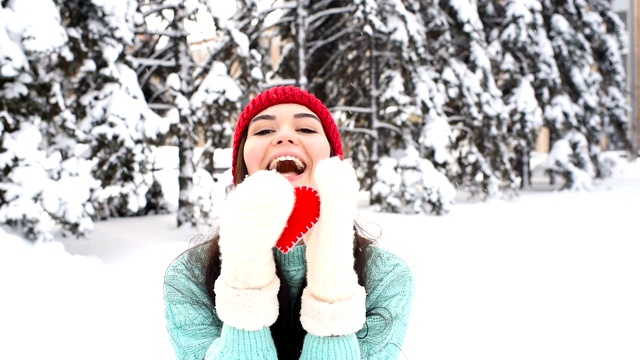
x=251, y=221
x=333, y=303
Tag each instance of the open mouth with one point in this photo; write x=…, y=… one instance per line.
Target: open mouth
x=287, y=164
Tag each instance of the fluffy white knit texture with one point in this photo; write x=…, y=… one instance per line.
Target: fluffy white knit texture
x=332, y=291
x=251, y=222
x=247, y=309
x=340, y=318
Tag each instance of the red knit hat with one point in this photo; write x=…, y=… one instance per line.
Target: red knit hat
x=285, y=95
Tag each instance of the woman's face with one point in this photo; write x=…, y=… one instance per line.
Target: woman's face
x=288, y=138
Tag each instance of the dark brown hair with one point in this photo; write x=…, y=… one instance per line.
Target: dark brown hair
x=287, y=332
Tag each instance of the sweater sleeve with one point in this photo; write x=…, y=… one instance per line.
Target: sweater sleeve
x=195, y=330
x=390, y=289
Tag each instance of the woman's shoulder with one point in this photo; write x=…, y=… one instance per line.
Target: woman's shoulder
x=187, y=267
x=385, y=268
x=187, y=303
x=381, y=258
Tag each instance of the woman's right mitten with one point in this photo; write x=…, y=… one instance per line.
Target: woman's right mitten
x=252, y=218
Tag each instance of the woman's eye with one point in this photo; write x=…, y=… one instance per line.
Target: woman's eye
x=263, y=132
x=308, y=131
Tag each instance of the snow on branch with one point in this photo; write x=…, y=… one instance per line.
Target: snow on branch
x=159, y=9
x=351, y=109
x=176, y=33
x=153, y=62
x=312, y=18
x=284, y=5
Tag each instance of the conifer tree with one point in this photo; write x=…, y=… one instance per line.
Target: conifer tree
x=110, y=106
x=519, y=48
x=197, y=96
x=607, y=36
x=45, y=182
x=411, y=176
x=474, y=104
x=176, y=84
x=578, y=113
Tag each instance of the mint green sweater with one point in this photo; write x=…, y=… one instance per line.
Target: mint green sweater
x=197, y=333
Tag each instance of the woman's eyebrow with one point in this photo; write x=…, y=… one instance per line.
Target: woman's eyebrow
x=305, y=115
x=263, y=117
x=295, y=116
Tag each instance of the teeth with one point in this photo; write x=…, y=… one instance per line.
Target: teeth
x=297, y=161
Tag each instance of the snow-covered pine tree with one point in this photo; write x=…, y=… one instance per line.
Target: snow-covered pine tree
x=474, y=104
x=427, y=52
x=233, y=72
x=368, y=81
x=45, y=183
x=519, y=49
x=237, y=61
x=414, y=100
x=576, y=108
x=608, y=38
x=197, y=84
x=110, y=106
x=172, y=48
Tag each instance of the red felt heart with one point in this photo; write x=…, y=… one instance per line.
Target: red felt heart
x=305, y=213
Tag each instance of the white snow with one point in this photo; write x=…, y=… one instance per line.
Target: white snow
x=549, y=275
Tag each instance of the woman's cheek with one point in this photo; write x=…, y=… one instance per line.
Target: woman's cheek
x=252, y=157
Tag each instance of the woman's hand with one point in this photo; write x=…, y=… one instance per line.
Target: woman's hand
x=333, y=302
x=251, y=221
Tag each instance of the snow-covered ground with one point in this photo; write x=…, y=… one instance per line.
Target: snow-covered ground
x=549, y=275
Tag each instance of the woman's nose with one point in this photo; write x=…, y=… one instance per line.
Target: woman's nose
x=285, y=137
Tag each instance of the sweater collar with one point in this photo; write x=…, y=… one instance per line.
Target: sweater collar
x=294, y=259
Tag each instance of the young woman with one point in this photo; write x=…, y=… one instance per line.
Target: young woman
x=335, y=295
